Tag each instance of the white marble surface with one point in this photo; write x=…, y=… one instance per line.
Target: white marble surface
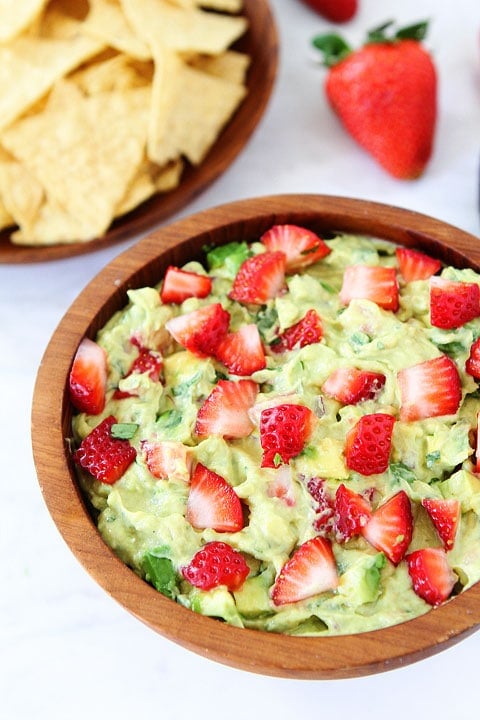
x=66, y=649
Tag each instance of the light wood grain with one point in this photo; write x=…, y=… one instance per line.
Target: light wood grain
x=261, y=44
x=143, y=264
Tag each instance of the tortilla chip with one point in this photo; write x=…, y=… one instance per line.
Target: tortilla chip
x=150, y=179
x=204, y=103
x=17, y=15
x=107, y=23
x=231, y=6
x=84, y=150
x=230, y=65
x=21, y=193
x=183, y=30
x=114, y=73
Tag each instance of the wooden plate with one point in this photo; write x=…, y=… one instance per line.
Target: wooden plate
x=144, y=264
x=261, y=44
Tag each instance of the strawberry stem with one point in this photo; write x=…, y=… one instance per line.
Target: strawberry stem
x=333, y=47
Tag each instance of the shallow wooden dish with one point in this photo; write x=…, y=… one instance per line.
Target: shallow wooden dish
x=261, y=44
x=144, y=264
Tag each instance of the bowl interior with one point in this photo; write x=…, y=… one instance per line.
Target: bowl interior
x=144, y=264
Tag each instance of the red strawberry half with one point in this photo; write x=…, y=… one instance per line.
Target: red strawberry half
x=217, y=563
x=284, y=429
x=370, y=282
x=259, y=278
x=472, y=365
x=200, y=331
x=306, y=331
x=225, y=412
x=178, y=285
x=415, y=265
x=105, y=457
x=368, y=444
x=213, y=503
x=88, y=378
x=242, y=351
x=390, y=528
x=350, y=385
x=429, y=389
x=452, y=303
x=147, y=361
x=311, y=570
x=432, y=577
x=301, y=247
x=352, y=512
x=445, y=515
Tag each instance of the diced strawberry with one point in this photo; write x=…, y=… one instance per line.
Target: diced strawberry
x=88, y=378
x=213, y=503
x=325, y=506
x=310, y=571
x=306, y=331
x=242, y=351
x=429, y=389
x=390, y=528
x=352, y=512
x=178, y=285
x=302, y=247
x=217, y=563
x=432, y=577
x=370, y=282
x=284, y=429
x=452, y=303
x=476, y=441
x=351, y=386
x=281, y=486
x=167, y=459
x=200, y=331
x=105, y=457
x=147, y=361
x=472, y=365
x=416, y=265
x=368, y=444
x=259, y=278
x=225, y=412
x=445, y=515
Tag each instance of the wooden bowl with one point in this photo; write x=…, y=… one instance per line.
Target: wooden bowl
x=260, y=42
x=144, y=264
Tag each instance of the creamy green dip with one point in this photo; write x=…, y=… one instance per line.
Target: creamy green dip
x=143, y=518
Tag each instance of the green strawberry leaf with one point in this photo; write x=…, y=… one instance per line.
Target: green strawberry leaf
x=333, y=47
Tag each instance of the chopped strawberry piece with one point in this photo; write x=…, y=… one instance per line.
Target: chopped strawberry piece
x=325, y=506
x=259, y=278
x=200, y=331
x=242, y=351
x=167, y=459
x=472, y=365
x=370, y=282
x=284, y=429
x=225, y=412
x=351, y=386
x=415, y=265
x=432, y=577
x=105, y=457
x=429, y=389
x=306, y=331
x=310, y=571
x=147, y=361
x=178, y=285
x=281, y=486
x=352, y=512
x=390, y=528
x=213, y=503
x=445, y=515
x=452, y=303
x=476, y=440
x=301, y=247
x=88, y=378
x=368, y=444
x=217, y=563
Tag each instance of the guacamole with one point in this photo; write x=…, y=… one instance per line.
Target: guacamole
x=303, y=432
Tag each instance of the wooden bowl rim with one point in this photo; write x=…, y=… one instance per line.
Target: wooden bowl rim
x=261, y=41
x=255, y=651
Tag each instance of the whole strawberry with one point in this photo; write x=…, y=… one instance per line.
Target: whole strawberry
x=338, y=11
x=385, y=94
